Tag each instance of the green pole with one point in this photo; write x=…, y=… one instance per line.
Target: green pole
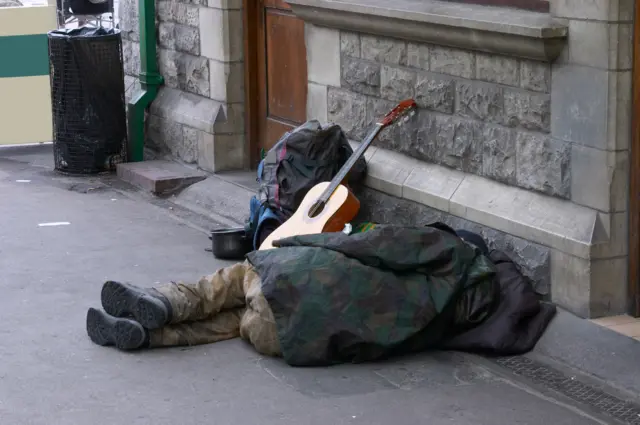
x=150, y=80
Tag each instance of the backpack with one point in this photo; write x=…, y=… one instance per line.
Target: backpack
x=303, y=157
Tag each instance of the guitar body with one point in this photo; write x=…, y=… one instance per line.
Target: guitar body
x=339, y=210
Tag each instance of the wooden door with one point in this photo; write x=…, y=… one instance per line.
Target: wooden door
x=634, y=183
x=277, y=92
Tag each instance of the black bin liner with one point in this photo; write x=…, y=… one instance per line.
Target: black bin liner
x=88, y=101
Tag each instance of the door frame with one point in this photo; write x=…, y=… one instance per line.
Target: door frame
x=634, y=178
x=255, y=100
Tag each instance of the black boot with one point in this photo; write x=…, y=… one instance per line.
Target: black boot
x=125, y=334
x=147, y=306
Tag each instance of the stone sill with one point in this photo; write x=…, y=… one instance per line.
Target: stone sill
x=496, y=30
x=548, y=221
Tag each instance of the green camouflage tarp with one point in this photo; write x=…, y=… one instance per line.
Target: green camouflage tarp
x=391, y=290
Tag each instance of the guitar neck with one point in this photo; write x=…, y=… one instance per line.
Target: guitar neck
x=342, y=174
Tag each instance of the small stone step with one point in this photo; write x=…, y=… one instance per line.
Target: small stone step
x=159, y=176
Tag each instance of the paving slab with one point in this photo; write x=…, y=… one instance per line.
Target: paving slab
x=159, y=176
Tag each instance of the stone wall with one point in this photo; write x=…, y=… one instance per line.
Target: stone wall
x=556, y=132
x=199, y=114
x=482, y=114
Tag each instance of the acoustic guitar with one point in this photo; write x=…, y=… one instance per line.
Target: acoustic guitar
x=328, y=206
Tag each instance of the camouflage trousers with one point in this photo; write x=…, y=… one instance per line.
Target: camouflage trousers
x=221, y=306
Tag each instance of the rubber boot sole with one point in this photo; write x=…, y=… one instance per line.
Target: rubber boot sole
x=105, y=330
x=122, y=300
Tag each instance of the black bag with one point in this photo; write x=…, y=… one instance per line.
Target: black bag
x=305, y=156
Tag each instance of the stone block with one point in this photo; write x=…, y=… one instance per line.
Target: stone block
x=435, y=92
x=620, y=110
x=360, y=76
x=179, y=37
x=612, y=235
x=535, y=76
x=456, y=62
x=460, y=142
x=396, y=138
x=230, y=120
x=588, y=43
x=621, y=46
x=226, y=81
x=188, y=150
x=166, y=35
x=166, y=136
x=397, y=84
x=131, y=85
x=187, y=39
x=589, y=289
x=164, y=11
x=221, y=152
x=432, y=185
x=349, y=110
x=497, y=69
x=159, y=177
x=224, y=4
x=480, y=101
x=599, y=10
x=188, y=109
x=179, y=13
x=499, y=154
x=350, y=44
x=527, y=110
x=128, y=20
x=418, y=56
x=168, y=65
x=196, y=75
x=317, y=102
x=131, y=58
x=388, y=172
x=599, y=178
x=543, y=164
x=426, y=143
x=390, y=137
x=383, y=49
x=574, y=291
x=185, y=72
x=206, y=150
x=323, y=54
x=545, y=220
x=579, y=101
x=221, y=34
x=608, y=287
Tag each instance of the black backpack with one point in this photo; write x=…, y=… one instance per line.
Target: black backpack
x=303, y=157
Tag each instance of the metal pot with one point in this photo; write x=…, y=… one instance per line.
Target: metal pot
x=230, y=243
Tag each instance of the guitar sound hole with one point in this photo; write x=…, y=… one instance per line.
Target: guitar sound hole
x=316, y=209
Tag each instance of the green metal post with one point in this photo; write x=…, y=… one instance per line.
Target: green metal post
x=150, y=80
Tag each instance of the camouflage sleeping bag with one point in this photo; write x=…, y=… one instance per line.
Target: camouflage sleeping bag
x=361, y=297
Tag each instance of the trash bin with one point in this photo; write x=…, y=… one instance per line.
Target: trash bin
x=87, y=99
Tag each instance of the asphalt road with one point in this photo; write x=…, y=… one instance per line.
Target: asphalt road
x=51, y=374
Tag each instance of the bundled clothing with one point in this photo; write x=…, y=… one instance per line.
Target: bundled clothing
x=332, y=298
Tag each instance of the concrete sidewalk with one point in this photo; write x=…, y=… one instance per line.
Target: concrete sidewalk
x=52, y=374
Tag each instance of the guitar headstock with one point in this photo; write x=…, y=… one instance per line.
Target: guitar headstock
x=404, y=110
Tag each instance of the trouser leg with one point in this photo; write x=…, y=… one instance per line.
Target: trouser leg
x=222, y=326
x=220, y=291
x=258, y=325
